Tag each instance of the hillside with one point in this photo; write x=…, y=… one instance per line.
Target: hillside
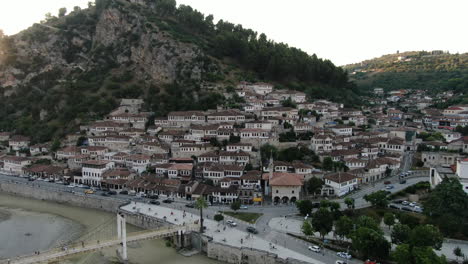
x=435, y=70
x=72, y=69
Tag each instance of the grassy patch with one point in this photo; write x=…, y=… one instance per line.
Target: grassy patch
x=244, y=216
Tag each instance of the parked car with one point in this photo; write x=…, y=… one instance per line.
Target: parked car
x=412, y=204
x=406, y=208
x=387, y=182
x=124, y=192
x=388, y=187
x=132, y=193
x=252, y=230
x=30, y=179
x=167, y=201
x=244, y=207
x=315, y=205
x=231, y=223
x=393, y=206
x=190, y=205
x=405, y=203
x=402, y=181
x=112, y=192
x=314, y=249
x=153, y=196
x=341, y=262
x=398, y=201
x=344, y=255
x=104, y=194
x=88, y=191
x=155, y=202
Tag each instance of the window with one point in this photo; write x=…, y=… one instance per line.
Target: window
x=276, y=191
x=292, y=191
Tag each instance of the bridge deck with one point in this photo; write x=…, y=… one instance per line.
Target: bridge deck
x=76, y=248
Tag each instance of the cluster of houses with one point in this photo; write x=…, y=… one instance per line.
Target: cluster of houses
x=216, y=153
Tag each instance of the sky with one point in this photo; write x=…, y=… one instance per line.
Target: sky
x=344, y=31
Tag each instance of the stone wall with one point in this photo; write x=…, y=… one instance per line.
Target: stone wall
x=243, y=255
x=80, y=200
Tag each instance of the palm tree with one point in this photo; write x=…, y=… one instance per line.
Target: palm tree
x=201, y=203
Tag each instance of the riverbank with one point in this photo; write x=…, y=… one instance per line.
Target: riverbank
x=144, y=252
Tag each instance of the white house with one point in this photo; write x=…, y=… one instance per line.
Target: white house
x=93, y=170
x=341, y=183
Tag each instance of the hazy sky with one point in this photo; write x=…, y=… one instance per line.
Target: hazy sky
x=343, y=31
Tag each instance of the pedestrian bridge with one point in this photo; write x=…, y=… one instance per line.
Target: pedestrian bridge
x=92, y=245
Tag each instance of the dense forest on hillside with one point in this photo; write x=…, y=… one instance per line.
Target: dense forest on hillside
x=93, y=57
x=435, y=70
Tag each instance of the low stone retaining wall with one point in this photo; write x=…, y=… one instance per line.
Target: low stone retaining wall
x=230, y=254
x=77, y=199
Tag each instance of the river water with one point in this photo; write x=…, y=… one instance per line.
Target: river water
x=28, y=225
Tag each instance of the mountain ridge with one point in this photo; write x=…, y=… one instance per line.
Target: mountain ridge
x=434, y=70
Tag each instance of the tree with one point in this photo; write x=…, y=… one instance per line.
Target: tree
x=235, y=206
x=200, y=204
x=389, y=219
x=248, y=167
x=426, y=236
x=409, y=220
x=322, y=221
x=55, y=145
x=447, y=206
x=314, y=185
x=426, y=255
x=62, y=12
x=305, y=207
x=327, y=164
x=402, y=254
x=458, y=253
x=218, y=217
x=76, y=9
x=343, y=227
x=370, y=243
x=349, y=202
x=307, y=228
x=400, y=234
x=368, y=222
x=377, y=199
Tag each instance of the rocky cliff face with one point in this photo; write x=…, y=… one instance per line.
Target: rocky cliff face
x=117, y=38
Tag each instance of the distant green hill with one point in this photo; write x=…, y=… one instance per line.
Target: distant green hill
x=434, y=70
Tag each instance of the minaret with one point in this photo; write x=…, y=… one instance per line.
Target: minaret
x=271, y=166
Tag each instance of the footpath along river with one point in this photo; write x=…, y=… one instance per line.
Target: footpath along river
x=28, y=225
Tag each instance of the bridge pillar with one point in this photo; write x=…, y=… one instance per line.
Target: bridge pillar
x=122, y=233
x=119, y=226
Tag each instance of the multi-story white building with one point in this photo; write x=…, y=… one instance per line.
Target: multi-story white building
x=92, y=171
x=340, y=183
x=14, y=165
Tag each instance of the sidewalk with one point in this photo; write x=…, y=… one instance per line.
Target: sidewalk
x=219, y=232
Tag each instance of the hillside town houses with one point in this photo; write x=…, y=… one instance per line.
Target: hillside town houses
x=217, y=153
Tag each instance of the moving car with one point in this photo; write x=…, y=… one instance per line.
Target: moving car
x=402, y=181
x=88, y=191
x=190, y=205
x=341, y=262
x=155, y=202
x=244, y=207
x=344, y=255
x=388, y=187
x=387, y=182
x=231, y=223
x=314, y=249
x=252, y=230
